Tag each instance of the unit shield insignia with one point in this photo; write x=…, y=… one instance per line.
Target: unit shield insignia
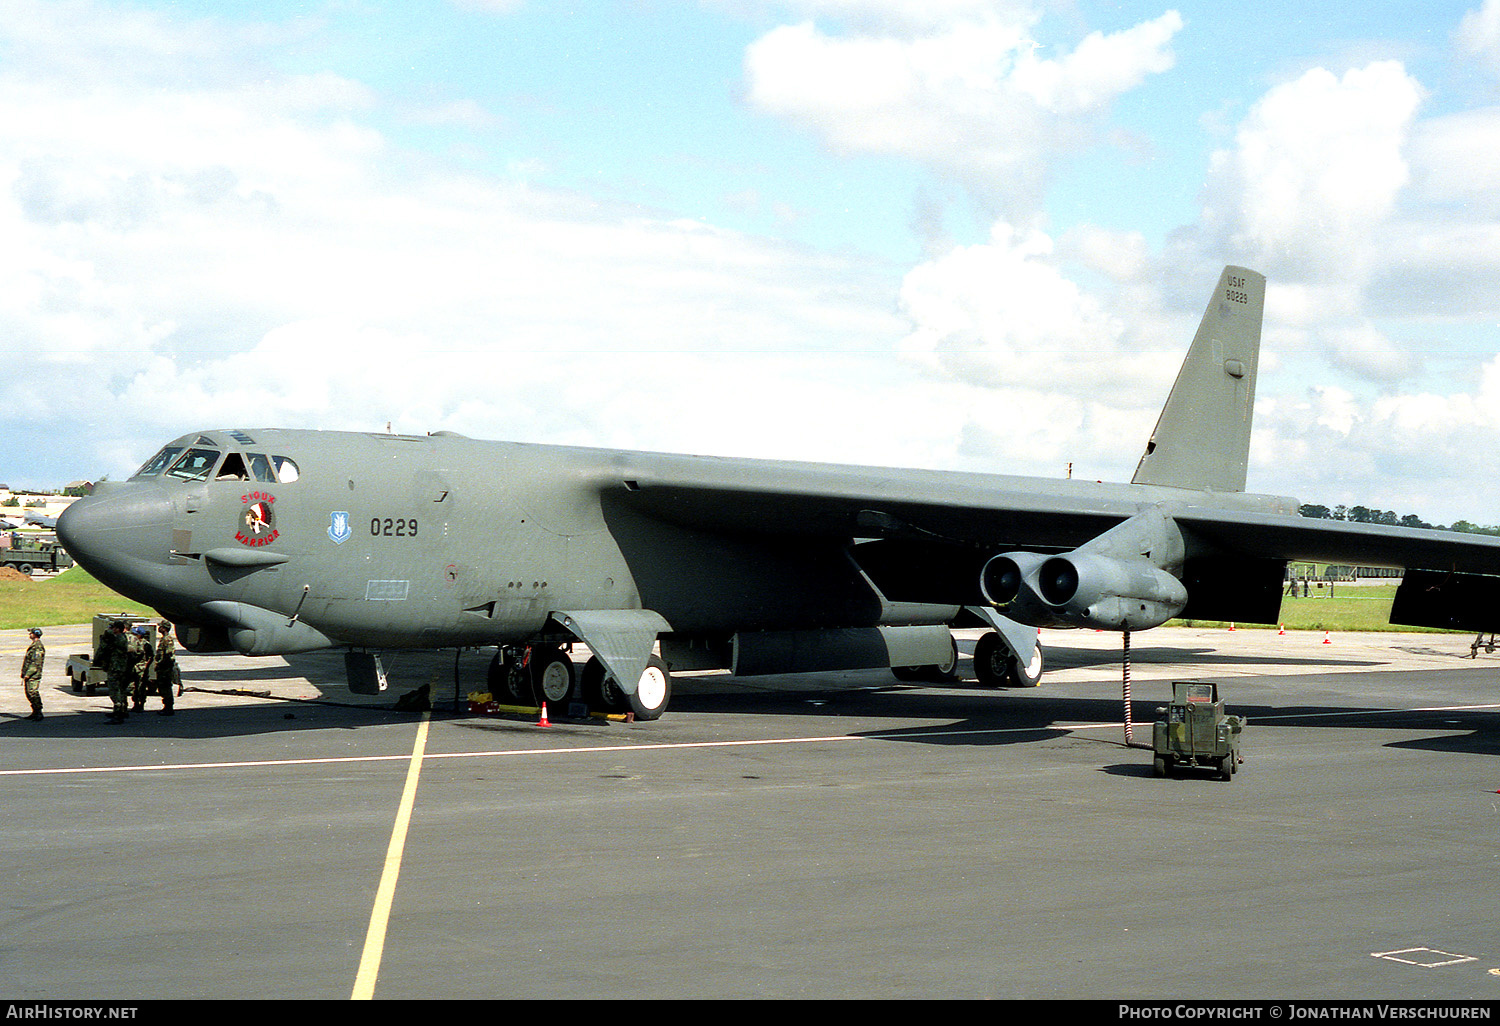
x=338, y=526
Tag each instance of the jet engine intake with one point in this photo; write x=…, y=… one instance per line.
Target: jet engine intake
x=1002, y=581
x=1082, y=589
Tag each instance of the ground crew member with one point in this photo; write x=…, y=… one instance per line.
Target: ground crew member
x=164, y=673
x=31, y=672
x=140, y=666
x=114, y=656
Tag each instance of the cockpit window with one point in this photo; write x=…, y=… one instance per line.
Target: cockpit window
x=233, y=469
x=195, y=465
x=260, y=466
x=156, y=464
x=285, y=469
x=249, y=466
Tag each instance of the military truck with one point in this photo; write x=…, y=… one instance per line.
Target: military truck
x=82, y=673
x=1194, y=731
x=27, y=553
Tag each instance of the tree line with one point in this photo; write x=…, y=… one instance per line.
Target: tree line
x=1365, y=515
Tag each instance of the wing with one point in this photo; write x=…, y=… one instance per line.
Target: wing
x=924, y=536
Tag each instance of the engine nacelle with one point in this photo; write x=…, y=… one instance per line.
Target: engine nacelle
x=1089, y=590
x=1082, y=589
x=1003, y=580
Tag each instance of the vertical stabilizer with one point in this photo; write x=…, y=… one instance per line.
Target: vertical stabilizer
x=1202, y=439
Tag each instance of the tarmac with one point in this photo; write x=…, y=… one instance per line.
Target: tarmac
x=836, y=835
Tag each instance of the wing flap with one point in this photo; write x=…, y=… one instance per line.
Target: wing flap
x=1248, y=533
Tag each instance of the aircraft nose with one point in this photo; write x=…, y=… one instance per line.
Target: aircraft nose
x=117, y=528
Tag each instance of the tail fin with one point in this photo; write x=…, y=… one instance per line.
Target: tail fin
x=1202, y=439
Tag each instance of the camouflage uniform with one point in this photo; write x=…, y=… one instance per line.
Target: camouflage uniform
x=31, y=673
x=140, y=667
x=116, y=657
x=164, y=673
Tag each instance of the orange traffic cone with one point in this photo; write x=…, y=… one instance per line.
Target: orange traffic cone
x=544, y=722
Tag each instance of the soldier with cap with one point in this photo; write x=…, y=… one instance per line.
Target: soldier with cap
x=164, y=673
x=31, y=672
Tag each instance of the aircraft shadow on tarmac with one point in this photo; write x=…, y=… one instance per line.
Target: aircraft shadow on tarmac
x=971, y=715
x=1080, y=658
x=979, y=717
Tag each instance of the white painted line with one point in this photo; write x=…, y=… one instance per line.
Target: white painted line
x=255, y=763
x=1444, y=957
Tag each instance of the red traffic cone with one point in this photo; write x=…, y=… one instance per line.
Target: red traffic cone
x=1282, y=629
x=1326, y=639
x=544, y=722
x=1231, y=625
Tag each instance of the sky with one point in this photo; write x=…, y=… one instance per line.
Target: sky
x=951, y=234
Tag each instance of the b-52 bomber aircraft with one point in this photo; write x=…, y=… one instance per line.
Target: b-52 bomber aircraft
x=283, y=541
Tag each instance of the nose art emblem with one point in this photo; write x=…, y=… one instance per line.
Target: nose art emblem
x=257, y=520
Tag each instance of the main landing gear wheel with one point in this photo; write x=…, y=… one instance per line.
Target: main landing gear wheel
x=991, y=661
x=552, y=676
x=507, y=681
x=1030, y=675
x=995, y=667
x=653, y=692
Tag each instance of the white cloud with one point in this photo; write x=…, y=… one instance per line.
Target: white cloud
x=1315, y=173
x=1479, y=33
x=251, y=251
x=963, y=91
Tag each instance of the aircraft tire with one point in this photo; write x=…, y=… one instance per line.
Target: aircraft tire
x=991, y=661
x=506, y=683
x=653, y=692
x=599, y=689
x=1027, y=676
x=552, y=676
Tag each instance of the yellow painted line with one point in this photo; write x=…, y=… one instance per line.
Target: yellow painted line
x=369, y=962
